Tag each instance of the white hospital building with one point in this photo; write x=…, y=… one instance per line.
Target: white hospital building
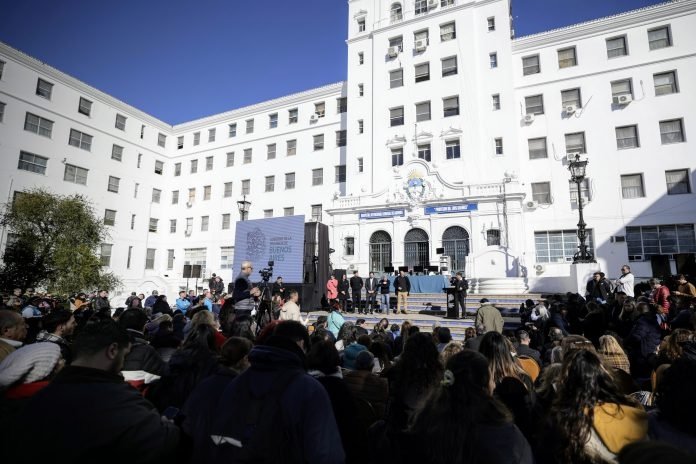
x=448, y=132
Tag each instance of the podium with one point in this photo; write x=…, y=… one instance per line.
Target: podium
x=451, y=309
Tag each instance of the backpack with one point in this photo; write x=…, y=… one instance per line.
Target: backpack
x=255, y=433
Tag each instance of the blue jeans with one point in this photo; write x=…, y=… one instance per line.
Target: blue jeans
x=384, y=301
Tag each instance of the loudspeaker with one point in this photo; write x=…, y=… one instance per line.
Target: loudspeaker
x=439, y=251
x=686, y=263
x=660, y=266
x=196, y=271
x=187, y=271
x=403, y=268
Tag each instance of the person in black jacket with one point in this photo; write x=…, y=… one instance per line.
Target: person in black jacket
x=598, y=288
x=402, y=287
x=460, y=288
x=278, y=287
x=356, y=285
x=103, y=419
x=343, y=288
x=384, y=294
x=142, y=362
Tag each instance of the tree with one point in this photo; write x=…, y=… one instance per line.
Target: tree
x=55, y=244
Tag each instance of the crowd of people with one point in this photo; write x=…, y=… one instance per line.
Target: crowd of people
x=608, y=376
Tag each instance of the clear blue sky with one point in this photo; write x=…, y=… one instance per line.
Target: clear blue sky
x=180, y=60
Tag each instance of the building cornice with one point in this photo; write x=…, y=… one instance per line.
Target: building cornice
x=603, y=25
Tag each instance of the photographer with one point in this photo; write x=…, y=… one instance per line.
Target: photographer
x=244, y=291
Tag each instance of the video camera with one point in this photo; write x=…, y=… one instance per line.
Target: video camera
x=267, y=272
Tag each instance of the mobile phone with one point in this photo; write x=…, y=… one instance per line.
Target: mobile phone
x=171, y=413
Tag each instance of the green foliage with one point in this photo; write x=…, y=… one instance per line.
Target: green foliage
x=57, y=242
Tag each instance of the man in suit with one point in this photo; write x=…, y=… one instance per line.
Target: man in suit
x=371, y=284
x=460, y=288
x=356, y=285
x=402, y=286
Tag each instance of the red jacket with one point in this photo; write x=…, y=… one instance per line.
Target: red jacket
x=660, y=297
x=332, y=289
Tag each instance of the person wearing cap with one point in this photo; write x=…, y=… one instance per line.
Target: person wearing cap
x=13, y=331
x=489, y=316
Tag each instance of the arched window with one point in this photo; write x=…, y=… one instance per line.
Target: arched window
x=380, y=251
x=493, y=237
x=416, y=248
x=396, y=13
x=455, y=241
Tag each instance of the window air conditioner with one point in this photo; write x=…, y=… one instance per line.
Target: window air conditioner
x=432, y=4
x=313, y=118
x=570, y=157
x=531, y=204
x=187, y=233
x=623, y=99
x=393, y=52
x=540, y=268
x=570, y=109
x=189, y=204
x=421, y=45
x=528, y=118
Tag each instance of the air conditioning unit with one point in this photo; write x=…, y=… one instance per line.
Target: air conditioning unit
x=189, y=204
x=313, y=118
x=570, y=157
x=351, y=267
x=187, y=233
x=528, y=118
x=570, y=109
x=540, y=268
x=393, y=52
x=531, y=204
x=421, y=45
x=617, y=238
x=624, y=99
x=432, y=4
x=635, y=257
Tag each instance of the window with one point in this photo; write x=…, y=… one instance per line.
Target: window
x=537, y=148
x=495, y=98
x=571, y=97
x=646, y=241
x=659, y=37
x=2, y=68
x=340, y=173
x=341, y=137
x=361, y=58
x=135, y=190
x=534, y=104
x=33, y=163
x=246, y=187
x=289, y=181
x=267, y=213
x=194, y=166
x=161, y=140
x=422, y=72
x=80, y=140
x=452, y=149
x=156, y=195
x=2, y=111
x=424, y=152
x=396, y=116
x=211, y=135
x=584, y=192
x=113, y=184
x=316, y=213
x=84, y=107
x=395, y=12
x=271, y=151
x=493, y=237
x=451, y=106
x=105, y=255
x=380, y=251
x=232, y=130
x=170, y=259
x=342, y=105
x=229, y=162
x=159, y=167
x=671, y=131
x=530, y=65
x=196, y=139
x=449, y=66
x=665, y=83
x=227, y=192
x=180, y=141
x=249, y=126
x=270, y=183
x=317, y=176
x=420, y=36
x=491, y=23
x=291, y=147
x=140, y=159
x=226, y=221
x=209, y=163
x=132, y=223
x=567, y=57
x=541, y=192
x=397, y=156
x=575, y=142
x=44, y=89
x=420, y=7
x=423, y=111
x=493, y=60
x=273, y=120
x=205, y=223
x=361, y=25
x=361, y=165
x=320, y=109
x=196, y=255
x=448, y=32
x=678, y=182
x=622, y=87
x=207, y=190
x=361, y=90
x=191, y=195
x=361, y=126
x=632, y=186
x=318, y=142
x=150, y=258
x=349, y=246
x=498, y=145
x=292, y=116
x=397, y=42
x=142, y=131
x=559, y=246
x=396, y=78
x=175, y=197
x=153, y=225
x=177, y=169
x=616, y=46
x=38, y=125
x=626, y=137
x=290, y=211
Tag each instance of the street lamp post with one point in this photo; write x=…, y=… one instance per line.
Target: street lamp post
x=243, y=206
x=577, y=170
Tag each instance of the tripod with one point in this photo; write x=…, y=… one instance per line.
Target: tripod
x=264, y=314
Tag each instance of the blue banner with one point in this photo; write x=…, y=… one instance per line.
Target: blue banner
x=382, y=214
x=449, y=209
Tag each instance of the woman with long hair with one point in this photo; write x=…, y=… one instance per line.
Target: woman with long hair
x=400, y=341
x=590, y=418
x=461, y=421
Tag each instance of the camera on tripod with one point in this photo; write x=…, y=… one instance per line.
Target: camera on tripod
x=267, y=272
